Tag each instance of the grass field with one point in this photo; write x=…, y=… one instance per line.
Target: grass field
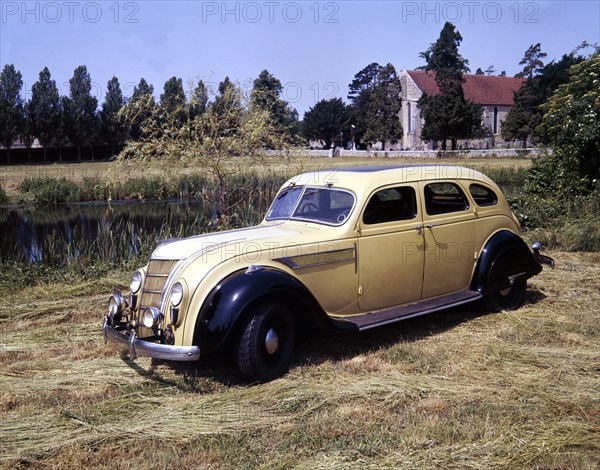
x=457, y=389
x=12, y=176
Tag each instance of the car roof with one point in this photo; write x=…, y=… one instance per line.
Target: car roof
x=360, y=178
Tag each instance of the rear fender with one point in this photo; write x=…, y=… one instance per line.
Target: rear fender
x=228, y=302
x=505, y=259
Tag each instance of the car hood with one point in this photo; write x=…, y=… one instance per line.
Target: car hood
x=234, y=242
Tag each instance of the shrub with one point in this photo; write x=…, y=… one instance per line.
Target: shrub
x=50, y=190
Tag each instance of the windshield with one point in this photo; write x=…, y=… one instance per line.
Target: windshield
x=322, y=205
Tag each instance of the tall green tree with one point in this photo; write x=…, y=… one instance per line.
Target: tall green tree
x=382, y=116
x=112, y=130
x=198, y=100
x=571, y=127
x=523, y=119
x=27, y=134
x=12, y=115
x=228, y=97
x=80, y=118
x=360, y=95
x=143, y=88
x=448, y=115
x=173, y=100
x=266, y=95
x=325, y=121
x=44, y=110
x=532, y=61
x=139, y=109
x=209, y=141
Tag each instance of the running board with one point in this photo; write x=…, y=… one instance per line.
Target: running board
x=390, y=315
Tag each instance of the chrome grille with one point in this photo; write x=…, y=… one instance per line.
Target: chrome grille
x=156, y=276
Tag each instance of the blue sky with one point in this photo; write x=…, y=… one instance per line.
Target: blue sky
x=314, y=48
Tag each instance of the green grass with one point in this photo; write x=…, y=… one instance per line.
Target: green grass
x=457, y=389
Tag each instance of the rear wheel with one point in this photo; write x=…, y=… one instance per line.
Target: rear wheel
x=510, y=298
x=266, y=344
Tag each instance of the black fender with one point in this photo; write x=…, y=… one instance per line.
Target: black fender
x=504, y=259
x=231, y=298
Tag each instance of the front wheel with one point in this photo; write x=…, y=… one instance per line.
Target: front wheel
x=510, y=298
x=266, y=344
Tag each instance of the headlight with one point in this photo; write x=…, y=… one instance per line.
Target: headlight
x=151, y=317
x=136, y=282
x=176, y=294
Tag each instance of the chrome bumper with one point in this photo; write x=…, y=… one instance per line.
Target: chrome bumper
x=159, y=351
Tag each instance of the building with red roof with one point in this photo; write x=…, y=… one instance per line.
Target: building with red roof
x=494, y=94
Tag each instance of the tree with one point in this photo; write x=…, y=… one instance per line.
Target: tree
x=44, y=110
x=209, y=141
x=325, y=121
x=112, y=129
x=139, y=108
x=526, y=114
x=173, y=100
x=198, y=100
x=382, y=117
x=266, y=96
x=27, y=134
x=80, y=119
x=11, y=106
x=532, y=61
x=448, y=115
x=142, y=88
x=443, y=58
x=360, y=91
x=571, y=126
x=479, y=71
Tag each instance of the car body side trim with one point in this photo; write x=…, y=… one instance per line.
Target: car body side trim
x=386, y=316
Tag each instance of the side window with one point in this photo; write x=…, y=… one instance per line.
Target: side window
x=389, y=205
x=441, y=198
x=483, y=196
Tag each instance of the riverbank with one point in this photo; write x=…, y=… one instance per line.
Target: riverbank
x=12, y=176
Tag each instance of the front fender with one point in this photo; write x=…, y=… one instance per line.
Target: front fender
x=505, y=258
x=231, y=298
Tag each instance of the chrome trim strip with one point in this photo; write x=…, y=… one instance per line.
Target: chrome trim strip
x=292, y=261
x=156, y=350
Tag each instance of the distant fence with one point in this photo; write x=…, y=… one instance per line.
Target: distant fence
x=490, y=153
x=20, y=155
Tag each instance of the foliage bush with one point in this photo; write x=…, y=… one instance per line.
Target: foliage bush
x=49, y=190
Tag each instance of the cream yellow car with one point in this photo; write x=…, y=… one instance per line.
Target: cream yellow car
x=351, y=249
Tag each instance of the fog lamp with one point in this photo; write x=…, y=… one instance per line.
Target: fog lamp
x=116, y=305
x=151, y=317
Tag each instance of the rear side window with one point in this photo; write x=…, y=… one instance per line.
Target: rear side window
x=392, y=204
x=441, y=198
x=483, y=196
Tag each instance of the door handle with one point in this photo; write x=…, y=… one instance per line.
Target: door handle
x=419, y=228
x=432, y=225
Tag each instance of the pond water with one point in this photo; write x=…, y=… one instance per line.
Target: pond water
x=55, y=233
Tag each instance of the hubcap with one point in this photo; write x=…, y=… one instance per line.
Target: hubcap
x=271, y=341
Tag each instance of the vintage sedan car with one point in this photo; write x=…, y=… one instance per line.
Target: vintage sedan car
x=345, y=249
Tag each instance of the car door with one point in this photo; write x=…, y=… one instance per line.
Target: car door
x=450, y=235
x=390, y=248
